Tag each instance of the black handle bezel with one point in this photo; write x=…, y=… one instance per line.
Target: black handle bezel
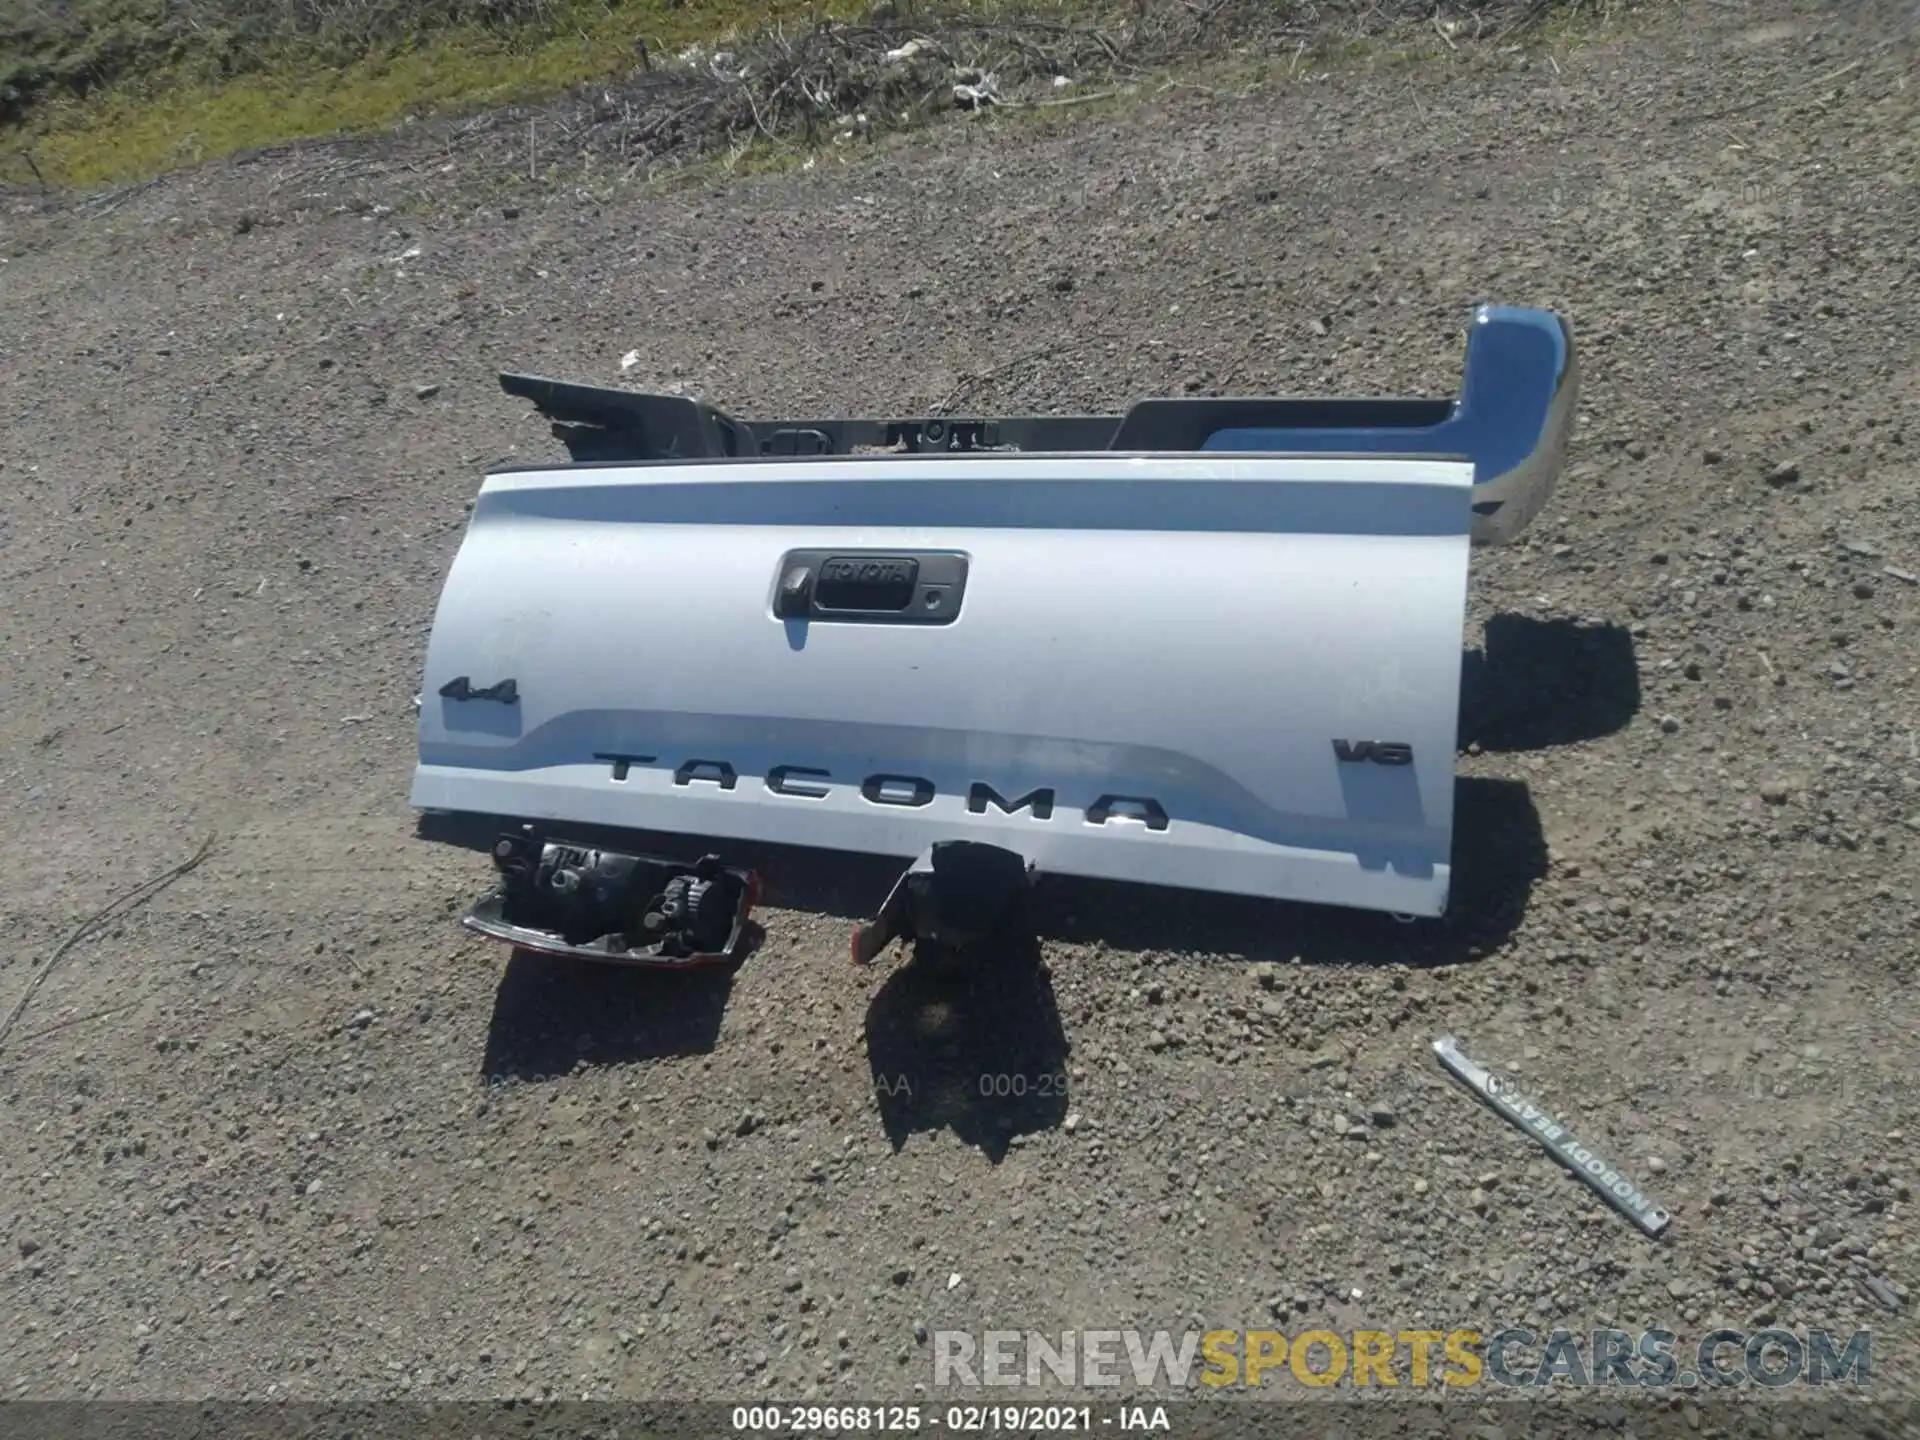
x=938, y=588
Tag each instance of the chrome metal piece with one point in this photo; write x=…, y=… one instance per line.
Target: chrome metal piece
x=1512, y=419
x=1505, y=1097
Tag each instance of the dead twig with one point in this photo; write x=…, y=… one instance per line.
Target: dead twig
x=27, y=155
x=60, y=1025
x=1087, y=99
x=1776, y=96
x=106, y=204
x=122, y=904
x=975, y=379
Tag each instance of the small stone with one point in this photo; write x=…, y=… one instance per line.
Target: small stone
x=1636, y=450
x=919, y=1332
x=425, y=392
x=1383, y=1116
x=1712, y=456
x=510, y=212
x=1319, y=327
x=1656, y=1166
x=28, y=1247
x=313, y=1187
x=1862, y=590
x=1882, y=1292
x=746, y=1124
x=1783, y=474
x=1265, y=974
x=1157, y=1040
x=1678, y=1288
x=1669, y=724
x=1071, y=1123
x=901, y=1275
x=1775, y=792
x=1420, y=1187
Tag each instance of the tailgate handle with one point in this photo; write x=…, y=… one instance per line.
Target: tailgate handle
x=870, y=586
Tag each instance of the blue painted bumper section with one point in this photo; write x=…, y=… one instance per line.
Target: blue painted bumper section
x=1511, y=418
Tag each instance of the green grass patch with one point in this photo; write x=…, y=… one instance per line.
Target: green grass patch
x=294, y=88
x=94, y=92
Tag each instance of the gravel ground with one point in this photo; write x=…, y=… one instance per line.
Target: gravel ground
x=286, y=1131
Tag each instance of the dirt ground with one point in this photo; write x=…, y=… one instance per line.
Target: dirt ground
x=286, y=1131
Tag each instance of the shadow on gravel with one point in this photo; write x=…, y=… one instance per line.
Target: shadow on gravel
x=1539, y=683
x=975, y=1047
x=551, y=1015
x=1499, y=853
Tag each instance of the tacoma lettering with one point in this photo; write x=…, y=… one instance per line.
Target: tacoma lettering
x=904, y=792
x=622, y=763
x=885, y=790
x=717, y=772
x=980, y=795
x=780, y=781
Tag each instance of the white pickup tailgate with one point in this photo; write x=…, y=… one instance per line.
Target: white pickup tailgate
x=1226, y=671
